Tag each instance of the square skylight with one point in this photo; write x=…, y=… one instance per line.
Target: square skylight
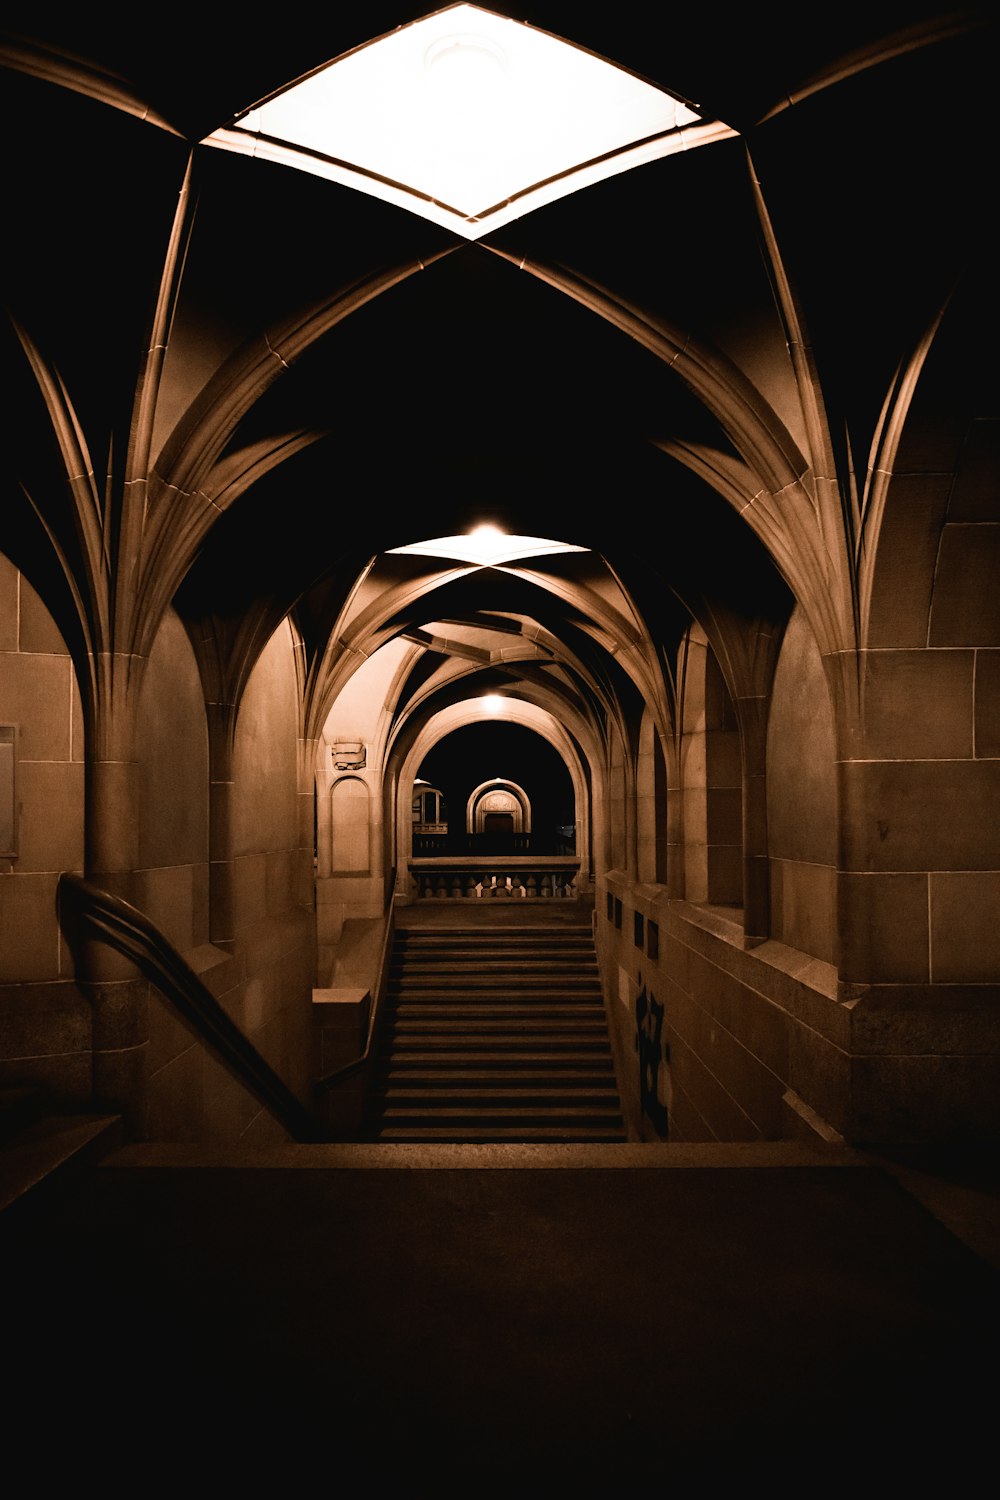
x=468, y=118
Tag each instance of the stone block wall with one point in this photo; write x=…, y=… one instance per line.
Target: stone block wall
x=713, y=1041
x=45, y=1022
x=265, y=982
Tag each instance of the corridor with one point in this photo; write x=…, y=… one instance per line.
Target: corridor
x=409, y=522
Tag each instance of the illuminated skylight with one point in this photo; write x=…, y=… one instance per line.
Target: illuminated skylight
x=487, y=546
x=468, y=118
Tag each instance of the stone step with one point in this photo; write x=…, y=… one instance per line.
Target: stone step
x=439, y=1077
x=451, y=1007
x=560, y=1056
x=592, y=1044
x=580, y=932
x=487, y=1022
x=420, y=952
x=484, y=1135
x=544, y=1043
x=494, y=975
x=472, y=958
x=498, y=993
x=491, y=971
x=517, y=1114
x=516, y=1096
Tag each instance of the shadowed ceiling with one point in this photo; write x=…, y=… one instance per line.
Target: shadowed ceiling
x=625, y=369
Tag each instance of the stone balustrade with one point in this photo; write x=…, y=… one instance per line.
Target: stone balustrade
x=510, y=879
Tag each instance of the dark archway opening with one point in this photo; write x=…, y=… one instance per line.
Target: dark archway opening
x=482, y=752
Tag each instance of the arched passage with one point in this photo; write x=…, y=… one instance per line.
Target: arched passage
x=514, y=711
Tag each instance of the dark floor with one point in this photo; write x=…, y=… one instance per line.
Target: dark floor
x=506, y=1320
x=513, y=1320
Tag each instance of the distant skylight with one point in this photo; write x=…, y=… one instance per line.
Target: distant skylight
x=468, y=118
x=487, y=546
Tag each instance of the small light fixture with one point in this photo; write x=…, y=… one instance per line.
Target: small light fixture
x=492, y=703
x=486, y=546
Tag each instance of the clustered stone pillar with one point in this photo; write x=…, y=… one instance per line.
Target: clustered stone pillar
x=221, y=900
x=756, y=866
x=117, y=993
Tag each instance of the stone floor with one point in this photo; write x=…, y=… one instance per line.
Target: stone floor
x=509, y=1321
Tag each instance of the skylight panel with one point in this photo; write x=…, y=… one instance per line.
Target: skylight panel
x=487, y=546
x=468, y=118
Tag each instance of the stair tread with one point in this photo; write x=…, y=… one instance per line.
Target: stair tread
x=426, y=1006
x=494, y=980
x=474, y=1055
x=564, y=1078
x=526, y=1047
x=543, y=992
x=484, y=1135
x=494, y=1025
x=458, y=1111
x=516, y=1097
x=553, y=957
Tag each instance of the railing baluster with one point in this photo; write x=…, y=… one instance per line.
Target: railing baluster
x=514, y=879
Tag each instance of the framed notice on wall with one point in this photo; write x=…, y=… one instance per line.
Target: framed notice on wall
x=8, y=801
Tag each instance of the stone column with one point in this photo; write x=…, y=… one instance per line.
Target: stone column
x=221, y=897
x=756, y=866
x=117, y=993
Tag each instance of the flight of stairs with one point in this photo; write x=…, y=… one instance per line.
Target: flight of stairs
x=492, y=1035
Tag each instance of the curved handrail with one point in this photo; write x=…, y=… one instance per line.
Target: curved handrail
x=129, y=931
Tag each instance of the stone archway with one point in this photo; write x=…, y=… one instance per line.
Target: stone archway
x=498, y=806
x=587, y=788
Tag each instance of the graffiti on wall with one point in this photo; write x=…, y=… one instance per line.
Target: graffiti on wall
x=654, y=1060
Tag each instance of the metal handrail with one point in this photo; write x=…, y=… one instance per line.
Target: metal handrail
x=130, y=932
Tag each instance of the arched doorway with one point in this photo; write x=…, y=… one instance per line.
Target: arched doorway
x=498, y=808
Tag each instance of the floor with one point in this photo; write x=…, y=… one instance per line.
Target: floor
x=498, y=1321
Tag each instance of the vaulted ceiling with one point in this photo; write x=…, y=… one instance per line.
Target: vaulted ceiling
x=684, y=368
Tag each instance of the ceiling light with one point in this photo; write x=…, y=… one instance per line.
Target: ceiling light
x=487, y=546
x=492, y=703
x=468, y=118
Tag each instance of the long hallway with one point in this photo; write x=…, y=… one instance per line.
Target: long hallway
x=623, y=532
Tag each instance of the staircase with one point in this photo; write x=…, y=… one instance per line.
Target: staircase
x=494, y=1035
